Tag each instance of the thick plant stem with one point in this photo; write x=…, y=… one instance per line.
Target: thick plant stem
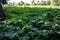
x=2, y=15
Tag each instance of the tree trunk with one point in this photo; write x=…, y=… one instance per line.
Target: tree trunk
x=2, y=15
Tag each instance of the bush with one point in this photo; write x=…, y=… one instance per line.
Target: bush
x=30, y=24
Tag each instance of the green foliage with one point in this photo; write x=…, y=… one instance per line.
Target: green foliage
x=30, y=24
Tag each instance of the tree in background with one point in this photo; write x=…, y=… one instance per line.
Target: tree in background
x=54, y=2
x=33, y=2
x=3, y=1
x=48, y=2
x=58, y=2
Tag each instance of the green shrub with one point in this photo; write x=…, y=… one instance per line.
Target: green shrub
x=30, y=24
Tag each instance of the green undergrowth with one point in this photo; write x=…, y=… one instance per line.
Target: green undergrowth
x=25, y=23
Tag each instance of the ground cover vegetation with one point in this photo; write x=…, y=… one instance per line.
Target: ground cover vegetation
x=25, y=23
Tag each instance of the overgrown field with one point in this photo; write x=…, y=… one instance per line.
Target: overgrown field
x=24, y=23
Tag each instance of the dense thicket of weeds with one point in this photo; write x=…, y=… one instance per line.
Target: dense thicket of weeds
x=30, y=24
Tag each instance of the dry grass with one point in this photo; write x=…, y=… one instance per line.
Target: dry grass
x=42, y=6
x=35, y=6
